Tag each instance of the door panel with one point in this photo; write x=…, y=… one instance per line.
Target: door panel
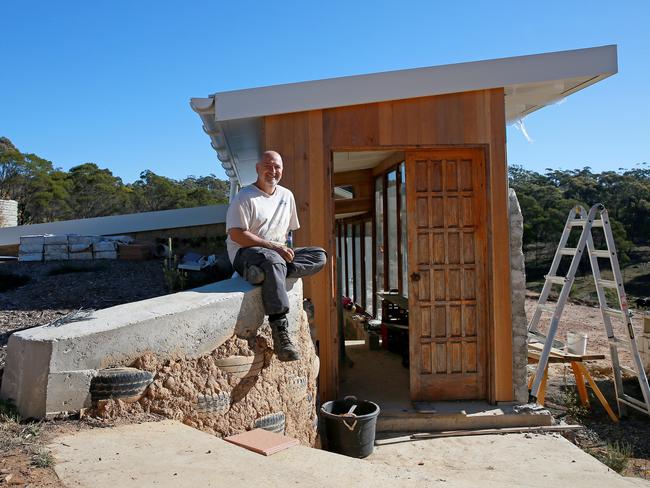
x=447, y=248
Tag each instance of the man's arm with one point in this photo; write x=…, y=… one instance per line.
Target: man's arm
x=247, y=239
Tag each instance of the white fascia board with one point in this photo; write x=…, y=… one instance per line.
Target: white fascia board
x=120, y=224
x=413, y=83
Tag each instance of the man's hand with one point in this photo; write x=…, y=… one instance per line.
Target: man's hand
x=285, y=252
x=247, y=239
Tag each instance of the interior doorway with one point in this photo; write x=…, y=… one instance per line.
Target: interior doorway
x=372, y=269
x=411, y=242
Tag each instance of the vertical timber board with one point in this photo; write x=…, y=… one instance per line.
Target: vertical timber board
x=298, y=137
x=499, y=249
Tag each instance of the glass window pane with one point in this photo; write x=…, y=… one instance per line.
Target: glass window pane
x=379, y=240
x=350, y=257
x=379, y=231
x=404, y=230
x=338, y=240
x=342, y=261
x=357, y=264
x=391, y=210
x=368, y=264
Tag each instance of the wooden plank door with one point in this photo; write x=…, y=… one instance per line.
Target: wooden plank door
x=447, y=248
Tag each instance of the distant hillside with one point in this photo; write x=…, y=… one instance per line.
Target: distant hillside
x=547, y=199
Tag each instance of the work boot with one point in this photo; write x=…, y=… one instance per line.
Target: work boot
x=282, y=345
x=254, y=274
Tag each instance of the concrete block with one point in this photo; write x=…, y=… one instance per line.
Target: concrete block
x=105, y=254
x=104, y=246
x=69, y=390
x=88, y=240
x=56, y=239
x=31, y=244
x=30, y=247
x=74, y=248
x=56, y=256
x=40, y=240
x=80, y=256
x=30, y=257
x=55, y=248
x=45, y=364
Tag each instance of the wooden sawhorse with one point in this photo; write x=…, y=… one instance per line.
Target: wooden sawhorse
x=579, y=371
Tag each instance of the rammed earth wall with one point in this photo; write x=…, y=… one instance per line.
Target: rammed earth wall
x=194, y=342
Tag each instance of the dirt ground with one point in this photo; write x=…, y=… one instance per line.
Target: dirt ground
x=601, y=437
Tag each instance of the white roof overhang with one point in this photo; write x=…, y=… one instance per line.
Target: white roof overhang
x=233, y=119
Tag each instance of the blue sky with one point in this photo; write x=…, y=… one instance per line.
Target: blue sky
x=110, y=82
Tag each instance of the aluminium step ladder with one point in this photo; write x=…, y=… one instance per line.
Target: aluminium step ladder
x=579, y=217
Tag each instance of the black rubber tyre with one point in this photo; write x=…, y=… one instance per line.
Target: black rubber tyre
x=273, y=422
x=119, y=383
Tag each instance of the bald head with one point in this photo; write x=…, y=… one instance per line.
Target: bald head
x=271, y=155
x=269, y=171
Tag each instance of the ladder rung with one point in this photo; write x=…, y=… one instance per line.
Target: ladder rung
x=546, y=308
x=614, y=313
x=558, y=280
x=618, y=342
x=608, y=284
x=633, y=402
x=601, y=253
x=582, y=222
x=568, y=251
x=629, y=371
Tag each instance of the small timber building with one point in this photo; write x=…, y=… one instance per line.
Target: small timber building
x=402, y=175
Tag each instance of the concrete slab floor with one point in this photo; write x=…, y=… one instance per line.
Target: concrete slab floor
x=170, y=454
x=378, y=376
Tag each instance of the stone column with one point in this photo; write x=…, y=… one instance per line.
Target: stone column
x=518, y=283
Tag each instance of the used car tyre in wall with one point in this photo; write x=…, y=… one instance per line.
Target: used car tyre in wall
x=127, y=384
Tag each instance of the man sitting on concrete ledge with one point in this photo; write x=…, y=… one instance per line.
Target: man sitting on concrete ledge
x=258, y=223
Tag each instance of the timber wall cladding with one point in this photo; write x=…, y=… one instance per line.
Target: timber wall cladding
x=306, y=141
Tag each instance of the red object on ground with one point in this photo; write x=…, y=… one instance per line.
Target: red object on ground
x=262, y=441
x=384, y=336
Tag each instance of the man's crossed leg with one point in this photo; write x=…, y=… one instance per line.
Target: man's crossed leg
x=258, y=264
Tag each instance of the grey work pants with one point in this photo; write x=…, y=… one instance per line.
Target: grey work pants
x=307, y=261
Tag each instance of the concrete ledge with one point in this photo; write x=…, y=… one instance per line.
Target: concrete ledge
x=49, y=369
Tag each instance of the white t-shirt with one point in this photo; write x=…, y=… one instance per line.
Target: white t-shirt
x=269, y=217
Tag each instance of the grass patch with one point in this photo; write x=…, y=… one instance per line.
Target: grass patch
x=10, y=281
x=574, y=408
x=69, y=268
x=615, y=456
x=8, y=412
x=42, y=458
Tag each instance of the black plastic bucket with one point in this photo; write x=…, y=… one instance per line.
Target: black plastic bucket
x=350, y=434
